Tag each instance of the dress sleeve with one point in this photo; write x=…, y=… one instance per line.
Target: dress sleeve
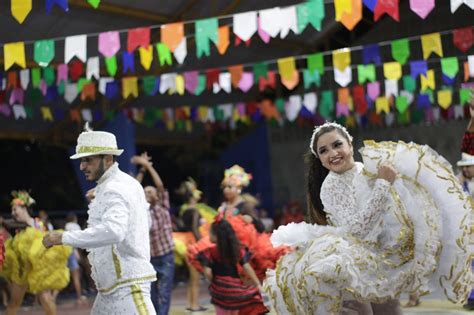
x=341, y=206
x=110, y=231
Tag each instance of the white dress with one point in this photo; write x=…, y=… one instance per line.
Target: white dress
x=409, y=237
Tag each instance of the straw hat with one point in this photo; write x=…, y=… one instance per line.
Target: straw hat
x=95, y=143
x=466, y=160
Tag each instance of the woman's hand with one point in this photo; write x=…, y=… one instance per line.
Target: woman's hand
x=387, y=172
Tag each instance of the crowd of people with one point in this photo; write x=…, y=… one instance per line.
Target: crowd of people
x=373, y=231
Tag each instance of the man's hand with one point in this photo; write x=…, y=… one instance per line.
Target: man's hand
x=90, y=194
x=52, y=238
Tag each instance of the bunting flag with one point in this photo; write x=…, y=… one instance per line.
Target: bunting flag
x=422, y=7
x=310, y=12
x=401, y=50
x=371, y=54
x=129, y=87
x=172, y=35
x=146, y=56
x=181, y=51
x=382, y=105
x=428, y=81
x=75, y=46
x=431, y=43
x=289, y=21
x=20, y=9
x=350, y=20
x=445, y=98
x=392, y=70
x=455, y=4
x=341, y=58
x=223, y=39
x=389, y=7
x=44, y=52
x=109, y=43
x=342, y=7
x=366, y=73
x=63, y=4
x=14, y=53
x=245, y=25
x=93, y=68
x=94, y=3
x=206, y=30
x=463, y=38
x=138, y=37
x=289, y=74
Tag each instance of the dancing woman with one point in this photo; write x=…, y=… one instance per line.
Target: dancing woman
x=399, y=223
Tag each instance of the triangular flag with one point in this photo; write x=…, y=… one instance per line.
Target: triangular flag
x=63, y=4
x=351, y=19
x=181, y=51
x=246, y=82
x=391, y=88
x=88, y=92
x=44, y=52
x=62, y=73
x=75, y=46
x=289, y=21
x=371, y=54
x=289, y=74
x=326, y=106
x=463, y=38
x=310, y=78
x=370, y=4
x=422, y=7
x=236, y=74
x=315, y=62
x=310, y=101
x=310, y=12
x=373, y=90
x=223, y=41
x=129, y=87
x=431, y=43
x=445, y=98
x=128, y=62
x=111, y=65
x=245, y=25
x=450, y=66
x=25, y=78
x=172, y=34
x=138, y=37
x=109, y=43
x=146, y=56
x=401, y=50
x=14, y=53
x=401, y=104
x=20, y=9
x=19, y=112
x=70, y=92
x=392, y=70
x=341, y=58
x=389, y=7
x=180, y=84
x=341, y=7
x=94, y=3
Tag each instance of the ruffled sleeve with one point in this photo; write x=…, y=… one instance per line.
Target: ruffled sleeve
x=339, y=200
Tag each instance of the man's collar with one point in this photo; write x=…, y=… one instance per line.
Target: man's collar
x=109, y=172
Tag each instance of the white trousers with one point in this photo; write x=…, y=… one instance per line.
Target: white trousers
x=130, y=300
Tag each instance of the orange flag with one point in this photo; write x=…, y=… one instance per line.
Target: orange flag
x=172, y=35
x=352, y=19
x=236, y=74
x=223, y=39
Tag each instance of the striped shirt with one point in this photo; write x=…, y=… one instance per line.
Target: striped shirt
x=161, y=238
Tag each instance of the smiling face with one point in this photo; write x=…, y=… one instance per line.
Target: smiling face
x=335, y=152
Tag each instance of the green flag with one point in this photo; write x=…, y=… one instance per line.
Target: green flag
x=201, y=85
x=111, y=65
x=280, y=105
x=311, y=12
x=409, y=83
x=450, y=66
x=36, y=77
x=49, y=76
x=326, y=107
x=403, y=118
x=44, y=52
x=61, y=87
x=464, y=96
x=366, y=73
x=94, y=3
x=29, y=111
x=149, y=84
x=81, y=82
x=206, y=30
x=401, y=103
x=401, y=50
x=315, y=62
x=164, y=54
x=260, y=70
x=310, y=78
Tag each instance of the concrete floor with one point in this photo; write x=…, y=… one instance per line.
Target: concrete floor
x=428, y=306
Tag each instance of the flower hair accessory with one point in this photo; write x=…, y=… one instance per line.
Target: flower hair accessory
x=190, y=185
x=238, y=175
x=327, y=124
x=22, y=198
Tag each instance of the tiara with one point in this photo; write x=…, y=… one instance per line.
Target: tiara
x=323, y=126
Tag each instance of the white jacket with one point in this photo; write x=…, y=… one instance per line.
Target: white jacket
x=117, y=235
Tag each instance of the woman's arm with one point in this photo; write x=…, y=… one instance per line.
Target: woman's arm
x=208, y=273
x=252, y=275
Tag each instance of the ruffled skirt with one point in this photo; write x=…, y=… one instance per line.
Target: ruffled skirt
x=424, y=245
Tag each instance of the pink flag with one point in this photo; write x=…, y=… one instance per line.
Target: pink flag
x=263, y=35
x=373, y=90
x=246, y=82
x=62, y=73
x=422, y=7
x=109, y=43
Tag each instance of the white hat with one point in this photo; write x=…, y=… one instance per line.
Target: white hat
x=466, y=160
x=95, y=143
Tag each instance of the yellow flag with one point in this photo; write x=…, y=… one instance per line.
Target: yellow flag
x=21, y=9
x=129, y=87
x=341, y=7
x=382, y=105
x=287, y=68
x=428, y=82
x=392, y=70
x=14, y=53
x=170, y=125
x=146, y=56
x=188, y=125
x=445, y=98
x=341, y=58
x=431, y=43
x=180, y=84
x=202, y=113
x=46, y=113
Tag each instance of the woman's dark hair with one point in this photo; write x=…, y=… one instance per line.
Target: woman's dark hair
x=227, y=243
x=316, y=175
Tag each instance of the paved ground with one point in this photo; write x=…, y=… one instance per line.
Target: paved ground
x=428, y=306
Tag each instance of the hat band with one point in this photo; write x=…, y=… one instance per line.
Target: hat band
x=91, y=149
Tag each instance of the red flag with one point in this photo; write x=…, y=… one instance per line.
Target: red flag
x=269, y=81
x=138, y=37
x=212, y=76
x=360, y=102
x=463, y=38
x=389, y=7
x=12, y=80
x=76, y=69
